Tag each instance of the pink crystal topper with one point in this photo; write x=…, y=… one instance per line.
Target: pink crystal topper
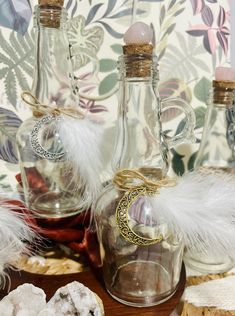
x=225, y=74
x=138, y=33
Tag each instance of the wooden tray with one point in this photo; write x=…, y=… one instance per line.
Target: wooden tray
x=93, y=280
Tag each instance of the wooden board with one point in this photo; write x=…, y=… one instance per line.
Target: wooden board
x=93, y=280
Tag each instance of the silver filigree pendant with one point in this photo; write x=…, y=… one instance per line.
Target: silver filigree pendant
x=35, y=142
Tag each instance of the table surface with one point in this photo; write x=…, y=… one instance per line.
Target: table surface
x=92, y=280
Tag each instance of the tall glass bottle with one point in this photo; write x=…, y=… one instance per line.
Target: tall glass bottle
x=49, y=188
x=134, y=274
x=216, y=154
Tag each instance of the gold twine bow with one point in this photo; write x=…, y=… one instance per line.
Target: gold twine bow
x=128, y=179
x=135, y=184
x=40, y=109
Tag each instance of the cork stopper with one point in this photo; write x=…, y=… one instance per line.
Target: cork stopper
x=224, y=92
x=224, y=86
x=50, y=12
x=137, y=39
x=51, y=3
x=133, y=49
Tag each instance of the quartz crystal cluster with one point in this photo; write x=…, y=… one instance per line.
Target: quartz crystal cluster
x=26, y=300
x=71, y=299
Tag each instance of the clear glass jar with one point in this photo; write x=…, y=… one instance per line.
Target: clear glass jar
x=50, y=188
x=134, y=274
x=216, y=153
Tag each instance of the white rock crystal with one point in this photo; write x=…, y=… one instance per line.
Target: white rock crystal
x=26, y=300
x=47, y=312
x=138, y=33
x=72, y=299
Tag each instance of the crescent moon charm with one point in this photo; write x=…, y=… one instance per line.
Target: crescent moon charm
x=35, y=143
x=122, y=218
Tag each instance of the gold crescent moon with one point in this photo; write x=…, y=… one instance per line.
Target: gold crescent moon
x=34, y=139
x=122, y=218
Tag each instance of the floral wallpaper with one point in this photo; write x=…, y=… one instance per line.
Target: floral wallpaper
x=191, y=38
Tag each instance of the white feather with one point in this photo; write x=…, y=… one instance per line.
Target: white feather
x=14, y=235
x=81, y=139
x=202, y=208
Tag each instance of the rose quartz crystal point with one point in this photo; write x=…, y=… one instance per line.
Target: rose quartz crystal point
x=224, y=74
x=138, y=33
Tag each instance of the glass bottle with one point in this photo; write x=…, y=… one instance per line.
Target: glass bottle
x=50, y=190
x=134, y=274
x=216, y=154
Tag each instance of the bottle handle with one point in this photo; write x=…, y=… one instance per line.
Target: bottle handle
x=187, y=132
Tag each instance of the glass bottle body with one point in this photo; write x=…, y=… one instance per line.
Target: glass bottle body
x=134, y=274
x=137, y=275
x=216, y=154
x=217, y=144
x=50, y=188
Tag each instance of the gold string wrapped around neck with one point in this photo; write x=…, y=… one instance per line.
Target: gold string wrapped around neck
x=135, y=184
x=40, y=109
x=128, y=179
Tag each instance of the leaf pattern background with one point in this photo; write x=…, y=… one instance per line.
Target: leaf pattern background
x=213, y=30
x=85, y=42
x=188, y=51
x=9, y=123
x=183, y=59
x=15, y=14
x=17, y=57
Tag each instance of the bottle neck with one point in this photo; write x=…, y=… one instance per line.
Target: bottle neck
x=218, y=138
x=53, y=76
x=139, y=143
x=50, y=17
x=138, y=67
